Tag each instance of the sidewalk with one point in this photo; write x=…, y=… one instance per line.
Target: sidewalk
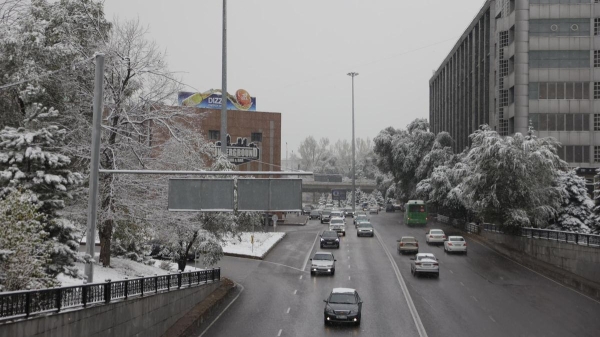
x=263, y=243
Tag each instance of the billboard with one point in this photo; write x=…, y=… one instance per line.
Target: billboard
x=200, y=195
x=269, y=195
x=212, y=98
x=338, y=194
x=238, y=153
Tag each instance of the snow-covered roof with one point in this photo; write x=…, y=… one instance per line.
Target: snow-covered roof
x=343, y=290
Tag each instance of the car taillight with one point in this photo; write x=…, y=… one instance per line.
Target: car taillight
x=418, y=263
x=430, y=236
x=443, y=236
x=401, y=244
x=449, y=244
x=436, y=264
x=417, y=244
x=464, y=244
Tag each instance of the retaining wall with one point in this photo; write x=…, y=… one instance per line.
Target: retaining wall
x=148, y=316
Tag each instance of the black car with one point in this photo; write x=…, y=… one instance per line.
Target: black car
x=343, y=306
x=330, y=239
x=390, y=208
x=315, y=214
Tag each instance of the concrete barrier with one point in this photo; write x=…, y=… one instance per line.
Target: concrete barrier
x=148, y=316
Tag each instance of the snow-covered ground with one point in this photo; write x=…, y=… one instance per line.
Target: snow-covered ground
x=262, y=243
x=119, y=269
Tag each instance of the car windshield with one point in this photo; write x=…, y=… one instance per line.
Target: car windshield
x=330, y=235
x=365, y=225
x=423, y=257
x=361, y=217
x=314, y=212
x=324, y=257
x=457, y=239
x=408, y=240
x=342, y=298
x=337, y=221
x=326, y=212
x=437, y=232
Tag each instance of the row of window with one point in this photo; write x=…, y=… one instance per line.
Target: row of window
x=561, y=122
x=559, y=59
x=216, y=135
x=559, y=90
x=575, y=153
x=562, y=2
x=559, y=27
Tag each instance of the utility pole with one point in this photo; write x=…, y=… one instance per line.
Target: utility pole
x=224, y=85
x=353, y=74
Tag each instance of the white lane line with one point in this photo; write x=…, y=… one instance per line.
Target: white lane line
x=295, y=291
x=492, y=318
x=462, y=284
x=310, y=251
x=222, y=312
x=301, y=276
x=348, y=278
x=348, y=266
x=280, y=331
x=544, y=276
x=409, y=301
x=288, y=311
x=474, y=298
x=283, y=265
x=451, y=272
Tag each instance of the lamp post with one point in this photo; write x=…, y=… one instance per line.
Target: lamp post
x=224, y=85
x=353, y=74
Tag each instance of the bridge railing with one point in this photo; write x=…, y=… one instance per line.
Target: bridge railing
x=16, y=304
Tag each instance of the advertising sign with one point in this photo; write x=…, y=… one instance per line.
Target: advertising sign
x=338, y=194
x=212, y=98
x=240, y=152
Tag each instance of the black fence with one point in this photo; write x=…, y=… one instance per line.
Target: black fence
x=25, y=303
x=568, y=237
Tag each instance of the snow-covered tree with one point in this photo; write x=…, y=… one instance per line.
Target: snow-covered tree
x=512, y=180
x=576, y=211
x=25, y=247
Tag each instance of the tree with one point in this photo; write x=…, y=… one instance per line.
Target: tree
x=25, y=249
x=512, y=180
x=576, y=211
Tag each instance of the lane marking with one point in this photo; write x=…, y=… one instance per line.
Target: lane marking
x=544, y=276
x=409, y=301
x=348, y=266
x=462, y=284
x=295, y=291
x=475, y=298
x=348, y=278
x=301, y=276
x=288, y=311
x=279, y=334
x=225, y=309
x=310, y=251
x=451, y=272
x=283, y=265
x=492, y=318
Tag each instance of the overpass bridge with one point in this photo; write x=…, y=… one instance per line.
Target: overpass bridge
x=312, y=190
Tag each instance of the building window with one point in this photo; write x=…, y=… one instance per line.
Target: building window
x=596, y=122
x=596, y=90
x=256, y=136
x=596, y=58
x=214, y=134
x=596, y=26
x=596, y=154
x=560, y=122
x=559, y=90
x=559, y=59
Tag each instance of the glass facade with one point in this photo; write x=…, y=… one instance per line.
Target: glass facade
x=559, y=59
x=560, y=27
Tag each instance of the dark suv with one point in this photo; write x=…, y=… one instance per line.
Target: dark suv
x=330, y=239
x=343, y=306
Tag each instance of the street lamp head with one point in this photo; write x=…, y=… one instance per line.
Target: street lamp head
x=352, y=74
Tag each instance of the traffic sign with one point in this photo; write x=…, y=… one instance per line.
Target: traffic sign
x=338, y=194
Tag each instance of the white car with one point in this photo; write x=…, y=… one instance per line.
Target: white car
x=322, y=262
x=455, y=244
x=435, y=236
x=424, y=263
x=338, y=225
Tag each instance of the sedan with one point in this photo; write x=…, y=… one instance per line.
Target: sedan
x=322, y=262
x=360, y=217
x=435, y=236
x=455, y=244
x=343, y=306
x=365, y=229
x=374, y=210
x=424, y=263
x=330, y=239
x=315, y=214
x=408, y=244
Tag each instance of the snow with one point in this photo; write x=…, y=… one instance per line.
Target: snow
x=262, y=244
x=343, y=290
x=120, y=269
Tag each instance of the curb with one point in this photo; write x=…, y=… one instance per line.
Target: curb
x=254, y=257
x=192, y=322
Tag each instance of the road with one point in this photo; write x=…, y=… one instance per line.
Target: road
x=481, y=294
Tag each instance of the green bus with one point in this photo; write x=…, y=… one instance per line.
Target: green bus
x=415, y=213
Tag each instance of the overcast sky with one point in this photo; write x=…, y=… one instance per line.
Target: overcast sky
x=293, y=55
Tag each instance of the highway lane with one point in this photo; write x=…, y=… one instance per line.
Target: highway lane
x=282, y=299
x=484, y=294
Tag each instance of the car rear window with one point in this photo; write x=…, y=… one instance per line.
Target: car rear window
x=437, y=232
x=326, y=257
x=342, y=298
x=330, y=234
x=337, y=221
x=365, y=225
x=408, y=240
x=457, y=239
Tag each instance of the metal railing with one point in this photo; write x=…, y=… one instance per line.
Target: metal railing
x=25, y=303
x=589, y=240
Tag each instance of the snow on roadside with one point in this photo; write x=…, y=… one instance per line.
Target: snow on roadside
x=262, y=243
x=120, y=269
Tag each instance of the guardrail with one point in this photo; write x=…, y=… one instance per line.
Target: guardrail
x=589, y=240
x=16, y=304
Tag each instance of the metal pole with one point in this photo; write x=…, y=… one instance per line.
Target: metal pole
x=353, y=74
x=93, y=189
x=224, y=85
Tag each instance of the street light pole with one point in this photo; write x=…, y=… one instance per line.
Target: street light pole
x=224, y=85
x=353, y=74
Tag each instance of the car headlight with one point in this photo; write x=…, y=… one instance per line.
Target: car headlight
x=338, y=240
x=322, y=239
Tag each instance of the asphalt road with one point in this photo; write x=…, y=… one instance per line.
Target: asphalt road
x=481, y=294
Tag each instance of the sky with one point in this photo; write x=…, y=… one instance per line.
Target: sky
x=294, y=56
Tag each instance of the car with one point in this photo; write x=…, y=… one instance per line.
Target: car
x=424, y=263
x=306, y=210
x=337, y=214
x=365, y=229
x=398, y=207
x=455, y=244
x=338, y=224
x=435, y=236
x=322, y=262
x=389, y=208
x=330, y=239
x=325, y=216
x=361, y=221
x=343, y=306
x=349, y=212
x=315, y=214
x=408, y=244
x=360, y=217
x=373, y=210
x=330, y=206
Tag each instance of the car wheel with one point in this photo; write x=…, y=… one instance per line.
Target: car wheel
x=332, y=271
x=412, y=272
x=465, y=252
x=325, y=320
x=437, y=275
x=312, y=273
x=358, y=323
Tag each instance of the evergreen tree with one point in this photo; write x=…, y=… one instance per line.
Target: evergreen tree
x=576, y=211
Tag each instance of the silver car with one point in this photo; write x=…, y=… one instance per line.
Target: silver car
x=435, y=236
x=338, y=225
x=424, y=263
x=455, y=244
x=365, y=229
x=322, y=262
